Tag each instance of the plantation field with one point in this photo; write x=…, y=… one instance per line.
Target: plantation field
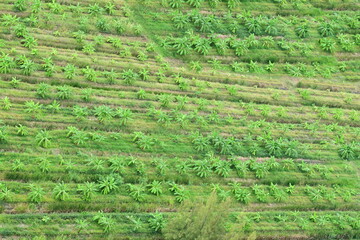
x=114, y=113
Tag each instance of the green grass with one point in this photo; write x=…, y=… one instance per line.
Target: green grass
x=309, y=99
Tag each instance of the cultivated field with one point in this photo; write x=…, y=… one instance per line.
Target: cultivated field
x=114, y=113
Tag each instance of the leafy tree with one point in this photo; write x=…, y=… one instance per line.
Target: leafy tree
x=87, y=190
x=254, y=25
x=140, y=94
x=6, y=104
x=348, y=151
x=231, y=4
x=144, y=74
x=20, y=30
x=202, y=45
x=7, y=63
x=110, y=8
x=21, y=5
x=14, y=82
x=48, y=66
x=87, y=94
x=22, y=130
x=79, y=138
x=64, y=92
x=136, y=222
x=103, y=113
x=108, y=184
x=96, y=163
x=271, y=27
x=95, y=9
x=291, y=149
x=69, y=71
x=196, y=66
x=110, y=76
x=136, y=192
x=36, y=194
x=195, y=3
x=88, y=48
x=17, y=165
x=327, y=44
x=274, y=147
x=81, y=226
x=107, y=223
x=182, y=45
x=200, y=221
x=125, y=115
x=80, y=112
x=157, y=222
x=44, y=165
x=326, y=29
x=5, y=193
x=43, y=139
x=302, y=30
x=28, y=66
x=43, y=90
x=180, y=20
x=60, y=192
x=117, y=165
x=202, y=168
x=9, y=20
x=175, y=3
x=89, y=74
x=129, y=76
x=222, y=168
x=165, y=99
x=29, y=42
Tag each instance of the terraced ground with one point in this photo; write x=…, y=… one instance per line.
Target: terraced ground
x=115, y=112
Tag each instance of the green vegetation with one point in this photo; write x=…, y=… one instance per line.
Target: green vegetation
x=179, y=119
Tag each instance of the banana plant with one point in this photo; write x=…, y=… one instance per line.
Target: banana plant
x=6, y=103
x=155, y=188
x=129, y=76
x=202, y=168
x=136, y=192
x=36, y=194
x=103, y=113
x=348, y=151
x=157, y=222
x=89, y=74
x=125, y=115
x=64, y=92
x=43, y=139
x=69, y=71
x=108, y=184
x=60, y=192
x=175, y=3
x=6, y=194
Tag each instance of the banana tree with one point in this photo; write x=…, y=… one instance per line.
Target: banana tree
x=88, y=190
x=175, y=3
x=60, y=192
x=182, y=45
x=43, y=139
x=27, y=66
x=109, y=183
x=89, y=74
x=136, y=192
x=103, y=113
x=348, y=151
x=64, y=92
x=326, y=29
x=129, y=76
x=125, y=115
x=36, y=194
x=155, y=188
